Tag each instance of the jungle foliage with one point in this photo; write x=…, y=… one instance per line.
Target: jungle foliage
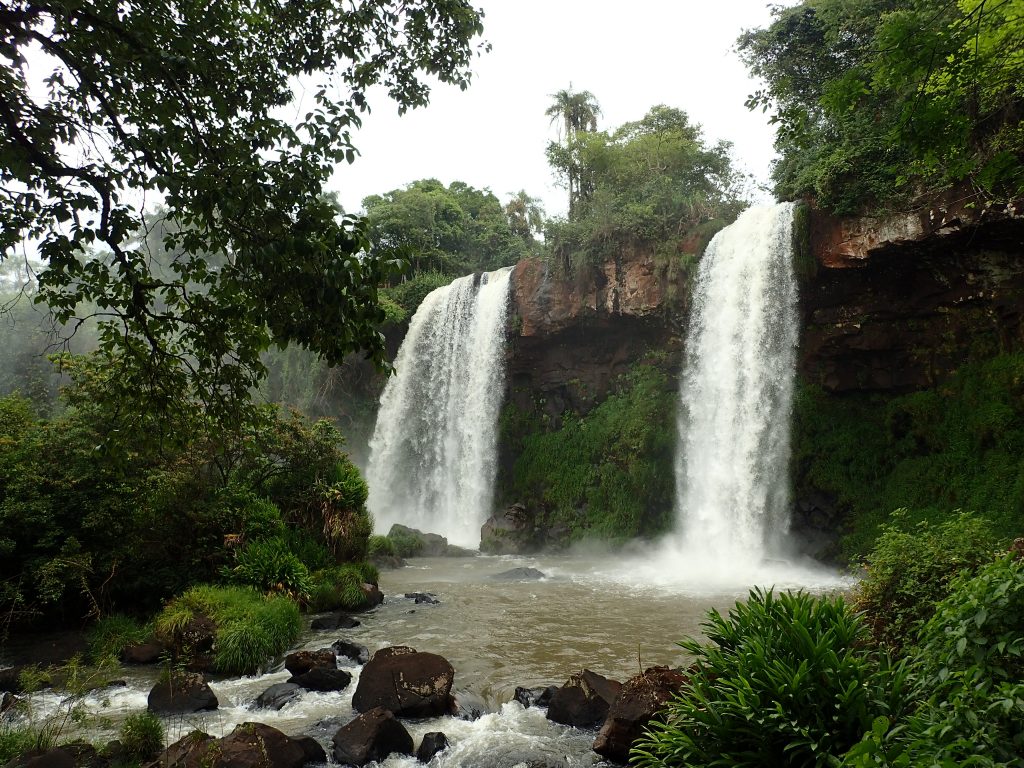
x=959, y=445
x=878, y=102
x=184, y=100
x=606, y=475
x=649, y=182
x=100, y=515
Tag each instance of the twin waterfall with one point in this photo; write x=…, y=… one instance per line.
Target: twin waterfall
x=736, y=395
x=433, y=453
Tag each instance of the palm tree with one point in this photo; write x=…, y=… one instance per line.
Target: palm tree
x=525, y=216
x=576, y=111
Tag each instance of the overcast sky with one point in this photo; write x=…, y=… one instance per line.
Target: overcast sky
x=631, y=54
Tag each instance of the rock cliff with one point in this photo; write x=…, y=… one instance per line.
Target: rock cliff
x=895, y=304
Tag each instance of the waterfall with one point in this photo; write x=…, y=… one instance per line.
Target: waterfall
x=433, y=453
x=732, y=484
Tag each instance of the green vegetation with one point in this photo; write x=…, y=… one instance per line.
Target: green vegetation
x=109, y=636
x=959, y=445
x=405, y=544
x=203, y=128
x=382, y=546
x=142, y=736
x=251, y=628
x=785, y=681
x=341, y=587
x=605, y=475
x=649, y=183
x=878, y=102
x=909, y=571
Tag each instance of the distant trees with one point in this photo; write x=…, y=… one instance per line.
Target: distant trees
x=877, y=102
x=651, y=181
x=576, y=112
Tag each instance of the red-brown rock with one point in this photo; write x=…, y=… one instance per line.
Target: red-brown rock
x=406, y=682
x=637, y=703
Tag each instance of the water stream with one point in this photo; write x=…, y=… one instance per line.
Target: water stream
x=434, y=449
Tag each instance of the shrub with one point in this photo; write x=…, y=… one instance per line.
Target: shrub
x=142, y=735
x=909, y=571
x=111, y=635
x=785, y=681
x=310, y=549
x=382, y=546
x=18, y=739
x=251, y=628
x=271, y=566
x=969, y=667
x=341, y=587
x=404, y=544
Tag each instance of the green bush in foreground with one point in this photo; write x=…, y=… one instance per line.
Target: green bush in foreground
x=969, y=667
x=786, y=681
x=909, y=572
x=341, y=587
x=17, y=739
x=251, y=628
x=142, y=735
x=271, y=566
x=109, y=636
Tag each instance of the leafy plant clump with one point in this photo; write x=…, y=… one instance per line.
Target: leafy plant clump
x=403, y=543
x=785, y=680
x=341, y=587
x=909, y=572
x=142, y=735
x=270, y=566
x=382, y=546
x=112, y=634
x=250, y=628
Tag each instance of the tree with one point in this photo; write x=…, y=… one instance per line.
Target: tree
x=577, y=112
x=452, y=230
x=879, y=102
x=525, y=216
x=105, y=105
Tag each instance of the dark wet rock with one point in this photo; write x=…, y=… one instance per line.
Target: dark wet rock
x=422, y=598
x=74, y=755
x=194, y=642
x=357, y=653
x=181, y=693
x=511, y=532
x=190, y=750
x=277, y=695
x=387, y=562
x=255, y=745
x=372, y=595
x=406, y=682
x=519, y=574
x=323, y=679
x=637, y=703
x=249, y=745
x=454, y=551
x=142, y=653
x=312, y=749
x=535, y=697
x=300, y=662
x=334, y=621
x=8, y=701
x=584, y=700
x=371, y=737
x=114, y=753
x=470, y=706
x=10, y=679
x=432, y=743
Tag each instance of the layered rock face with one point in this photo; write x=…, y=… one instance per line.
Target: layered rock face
x=573, y=335
x=896, y=304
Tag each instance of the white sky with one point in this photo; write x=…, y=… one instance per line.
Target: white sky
x=631, y=54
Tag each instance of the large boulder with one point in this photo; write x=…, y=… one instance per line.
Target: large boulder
x=637, y=703
x=249, y=745
x=535, y=697
x=300, y=662
x=371, y=595
x=334, y=621
x=418, y=543
x=406, y=682
x=519, y=574
x=277, y=695
x=371, y=737
x=255, y=745
x=181, y=693
x=584, y=700
x=511, y=532
x=142, y=653
x=323, y=679
x=73, y=755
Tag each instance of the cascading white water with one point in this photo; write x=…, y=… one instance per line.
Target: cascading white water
x=732, y=491
x=433, y=453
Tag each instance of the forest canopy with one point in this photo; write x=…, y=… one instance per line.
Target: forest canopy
x=106, y=106
x=879, y=102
